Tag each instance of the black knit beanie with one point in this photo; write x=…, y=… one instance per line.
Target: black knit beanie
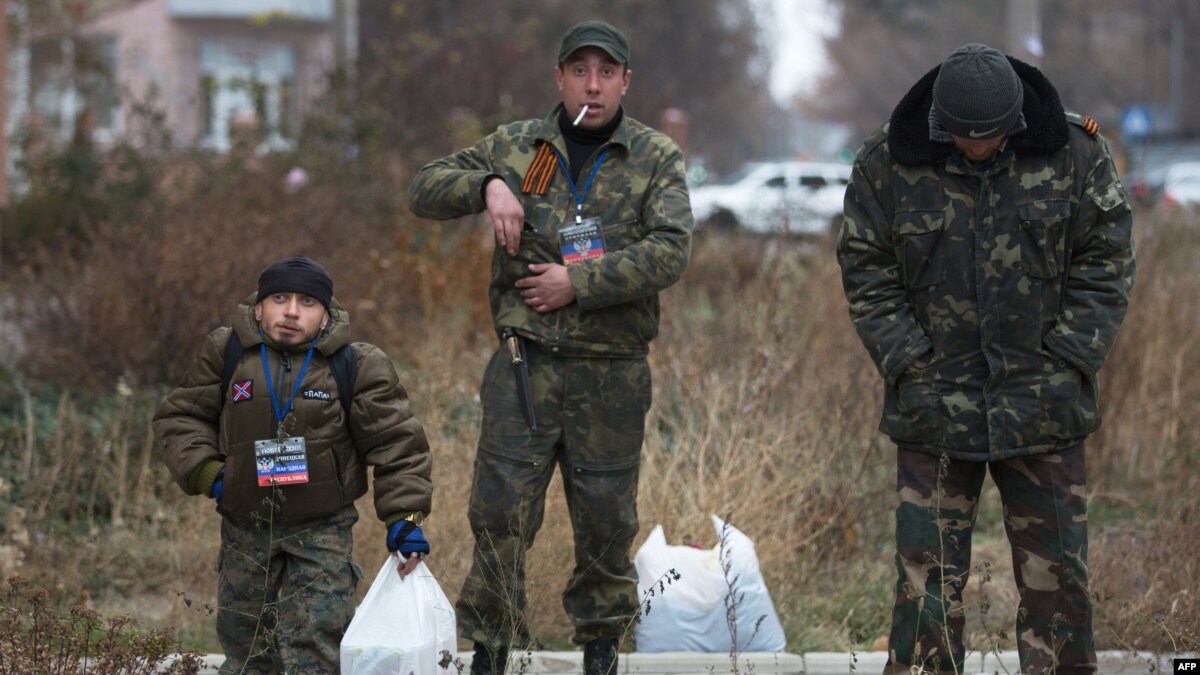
x=296, y=274
x=977, y=94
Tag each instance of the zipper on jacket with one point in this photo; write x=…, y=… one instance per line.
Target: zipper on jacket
x=285, y=375
x=995, y=424
x=283, y=385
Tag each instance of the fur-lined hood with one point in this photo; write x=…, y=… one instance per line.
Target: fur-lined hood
x=908, y=132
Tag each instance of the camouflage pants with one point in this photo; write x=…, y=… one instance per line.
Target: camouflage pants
x=1045, y=517
x=285, y=594
x=590, y=423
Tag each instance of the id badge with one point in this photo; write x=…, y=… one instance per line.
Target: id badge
x=582, y=241
x=283, y=463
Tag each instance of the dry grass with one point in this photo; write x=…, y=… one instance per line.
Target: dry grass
x=765, y=408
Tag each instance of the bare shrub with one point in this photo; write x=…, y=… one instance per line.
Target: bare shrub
x=35, y=638
x=765, y=404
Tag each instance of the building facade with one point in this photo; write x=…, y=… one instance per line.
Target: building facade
x=210, y=66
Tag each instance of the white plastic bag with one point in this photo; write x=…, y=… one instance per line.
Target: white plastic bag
x=401, y=627
x=689, y=614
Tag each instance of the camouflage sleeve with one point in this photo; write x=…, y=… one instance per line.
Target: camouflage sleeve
x=652, y=263
x=451, y=187
x=871, y=278
x=186, y=423
x=1101, y=271
x=389, y=438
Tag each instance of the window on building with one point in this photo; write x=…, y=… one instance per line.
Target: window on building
x=246, y=85
x=73, y=84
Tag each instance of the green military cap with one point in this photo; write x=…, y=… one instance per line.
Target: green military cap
x=595, y=34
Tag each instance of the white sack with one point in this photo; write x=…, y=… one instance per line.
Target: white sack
x=688, y=614
x=402, y=626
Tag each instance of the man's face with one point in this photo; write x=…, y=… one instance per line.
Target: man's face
x=977, y=150
x=590, y=77
x=290, y=319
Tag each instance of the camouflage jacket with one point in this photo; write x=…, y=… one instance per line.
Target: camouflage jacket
x=196, y=429
x=640, y=196
x=987, y=297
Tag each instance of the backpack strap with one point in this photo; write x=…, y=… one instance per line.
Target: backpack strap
x=233, y=354
x=343, y=363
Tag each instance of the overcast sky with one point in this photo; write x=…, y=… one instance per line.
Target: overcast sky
x=797, y=46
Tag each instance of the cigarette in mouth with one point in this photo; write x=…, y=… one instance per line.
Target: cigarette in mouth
x=580, y=117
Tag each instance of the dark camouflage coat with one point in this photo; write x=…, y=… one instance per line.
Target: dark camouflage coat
x=1006, y=285
x=196, y=429
x=639, y=194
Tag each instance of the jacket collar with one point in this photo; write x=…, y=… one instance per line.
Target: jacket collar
x=550, y=132
x=908, y=128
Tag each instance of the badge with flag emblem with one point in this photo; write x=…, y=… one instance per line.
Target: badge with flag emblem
x=242, y=391
x=584, y=241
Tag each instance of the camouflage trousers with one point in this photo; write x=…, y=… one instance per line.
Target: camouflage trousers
x=590, y=424
x=1045, y=517
x=286, y=594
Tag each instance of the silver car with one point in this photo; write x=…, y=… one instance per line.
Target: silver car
x=779, y=197
x=1181, y=185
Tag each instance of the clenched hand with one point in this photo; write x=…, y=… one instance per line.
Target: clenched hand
x=508, y=216
x=548, y=288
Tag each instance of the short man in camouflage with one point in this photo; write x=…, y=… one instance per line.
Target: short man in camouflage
x=592, y=220
x=987, y=257
x=264, y=432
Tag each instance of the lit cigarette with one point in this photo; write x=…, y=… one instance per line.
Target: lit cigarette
x=580, y=117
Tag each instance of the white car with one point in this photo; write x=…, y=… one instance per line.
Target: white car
x=1181, y=184
x=784, y=196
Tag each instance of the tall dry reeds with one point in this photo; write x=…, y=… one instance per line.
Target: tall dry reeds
x=765, y=408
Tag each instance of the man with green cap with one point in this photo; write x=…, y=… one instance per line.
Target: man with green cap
x=277, y=420
x=592, y=220
x=987, y=255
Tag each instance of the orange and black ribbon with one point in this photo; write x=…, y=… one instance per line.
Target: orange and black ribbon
x=1090, y=125
x=541, y=171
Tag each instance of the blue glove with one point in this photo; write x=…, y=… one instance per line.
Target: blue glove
x=217, y=485
x=405, y=537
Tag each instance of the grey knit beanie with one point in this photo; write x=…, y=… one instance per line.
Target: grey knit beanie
x=977, y=94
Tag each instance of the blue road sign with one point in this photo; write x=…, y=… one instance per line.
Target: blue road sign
x=1135, y=122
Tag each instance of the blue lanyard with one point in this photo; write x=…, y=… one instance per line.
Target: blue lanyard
x=579, y=197
x=279, y=415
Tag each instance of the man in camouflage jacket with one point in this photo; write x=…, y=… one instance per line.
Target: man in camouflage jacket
x=592, y=220
x=290, y=521
x=986, y=254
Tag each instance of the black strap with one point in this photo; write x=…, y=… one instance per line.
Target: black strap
x=343, y=363
x=233, y=354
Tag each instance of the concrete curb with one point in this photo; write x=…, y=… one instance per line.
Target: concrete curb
x=785, y=663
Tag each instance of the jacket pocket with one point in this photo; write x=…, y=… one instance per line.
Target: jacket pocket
x=507, y=269
x=1042, y=226
x=919, y=247
x=912, y=410
x=619, y=235
x=321, y=495
x=1067, y=401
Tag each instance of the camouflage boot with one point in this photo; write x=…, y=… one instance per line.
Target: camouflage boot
x=600, y=657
